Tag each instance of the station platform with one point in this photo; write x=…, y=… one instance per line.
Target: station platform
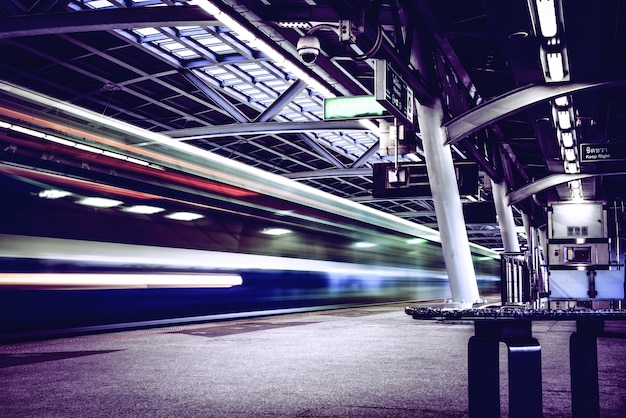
x=362, y=362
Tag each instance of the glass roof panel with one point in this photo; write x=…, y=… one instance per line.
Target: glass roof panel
x=99, y=4
x=146, y=31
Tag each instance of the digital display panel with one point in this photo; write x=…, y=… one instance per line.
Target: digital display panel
x=578, y=255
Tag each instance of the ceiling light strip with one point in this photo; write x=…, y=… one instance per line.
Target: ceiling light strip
x=275, y=55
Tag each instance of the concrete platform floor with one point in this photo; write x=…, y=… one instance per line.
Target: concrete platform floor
x=366, y=362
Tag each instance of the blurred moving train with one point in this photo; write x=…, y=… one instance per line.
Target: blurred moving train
x=103, y=223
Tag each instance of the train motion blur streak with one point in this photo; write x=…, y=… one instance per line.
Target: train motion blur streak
x=150, y=226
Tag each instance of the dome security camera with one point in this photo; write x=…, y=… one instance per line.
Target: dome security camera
x=308, y=48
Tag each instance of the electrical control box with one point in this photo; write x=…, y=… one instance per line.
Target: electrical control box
x=580, y=269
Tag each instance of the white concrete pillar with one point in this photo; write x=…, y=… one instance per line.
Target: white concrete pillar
x=505, y=217
x=448, y=208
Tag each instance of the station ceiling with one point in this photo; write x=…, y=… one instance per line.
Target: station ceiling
x=530, y=101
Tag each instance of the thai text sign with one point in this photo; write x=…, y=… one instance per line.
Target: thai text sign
x=593, y=153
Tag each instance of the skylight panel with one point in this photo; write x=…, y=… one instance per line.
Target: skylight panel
x=146, y=3
x=186, y=53
x=246, y=87
x=207, y=40
x=318, y=113
x=226, y=78
x=294, y=116
x=304, y=101
x=214, y=44
x=214, y=71
x=259, y=97
x=172, y=46
x=221, y=49
x=99, y=4
x=250, y=66
x=276, y=84
x=249, y=90
x=147, y=31
x=262, y=79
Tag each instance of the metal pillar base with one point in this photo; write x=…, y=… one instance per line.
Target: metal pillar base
x=524, y=355
x=583, y=357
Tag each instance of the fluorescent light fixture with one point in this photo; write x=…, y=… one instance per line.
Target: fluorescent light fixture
x=576, y=184
x=243, y=33
x=364, y=245
x=546, y=10
x=99, y=202
x=184, y=216
x=564, y=120
x=569, y=154
x=103, y=281
x=53, y=194
x=143, y=209
x=561, y=101
x=571, y=167
x=5, y=125
x=567, y=139
x=555, y=66
x=276, y=232
x=576, y=190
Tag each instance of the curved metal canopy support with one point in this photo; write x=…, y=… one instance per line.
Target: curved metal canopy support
x=511, y=103
x=545, y=183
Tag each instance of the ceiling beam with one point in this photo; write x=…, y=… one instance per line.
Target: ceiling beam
x=329, y=173
x=269, y=128
x=366, y=156
x=283, y=100
x=102, y=20
x=216, y=97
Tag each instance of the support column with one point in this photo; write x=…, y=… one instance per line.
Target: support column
x=443, y=183
x=442, y=174
x=505, y=217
